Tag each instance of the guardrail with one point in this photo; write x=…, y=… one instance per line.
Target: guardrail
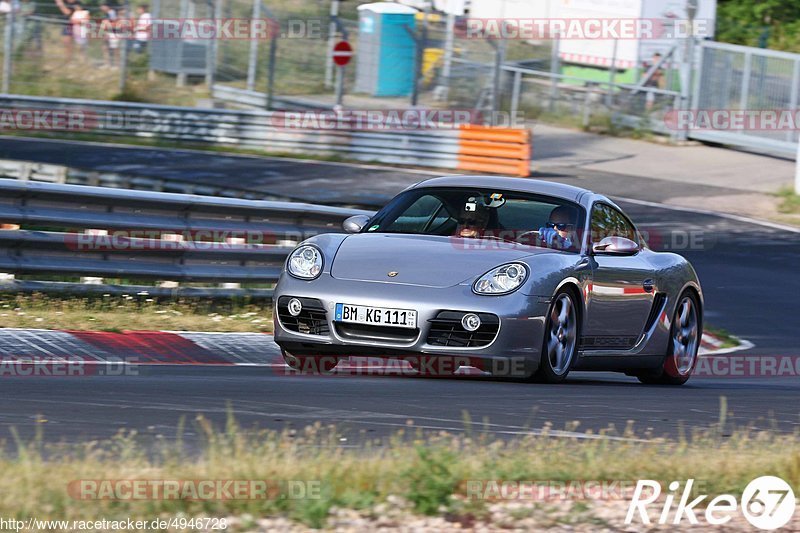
x=268, y=131
x=55, y=230
x=48, y=173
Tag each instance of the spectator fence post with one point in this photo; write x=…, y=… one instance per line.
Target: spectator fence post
x=123, y=55
x=215, y=8
x=252, y=60
x=797, y=172
x=8, y=48
x=273, y=55
x=555, y=69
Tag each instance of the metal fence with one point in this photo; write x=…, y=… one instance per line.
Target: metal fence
x=734, y=77
x=292, y=69
x=51, y=233
x=44, y=53
x=538, y=93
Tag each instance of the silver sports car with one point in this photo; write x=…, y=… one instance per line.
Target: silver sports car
x=515, y=277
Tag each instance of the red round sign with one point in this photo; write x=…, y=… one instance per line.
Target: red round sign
x=342, y=53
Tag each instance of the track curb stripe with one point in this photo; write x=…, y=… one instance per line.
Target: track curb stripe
x=178, y=348
x=137, y=347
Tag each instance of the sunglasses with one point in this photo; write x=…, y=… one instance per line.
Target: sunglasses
x=560, y=226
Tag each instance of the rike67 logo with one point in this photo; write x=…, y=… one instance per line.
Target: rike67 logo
x=767, y=502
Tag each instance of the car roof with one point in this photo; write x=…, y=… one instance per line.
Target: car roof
x=547, y=188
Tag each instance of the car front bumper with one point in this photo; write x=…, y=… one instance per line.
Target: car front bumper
x=517, y=344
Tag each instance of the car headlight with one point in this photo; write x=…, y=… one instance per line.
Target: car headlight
x=305, y=262
x=501, y=280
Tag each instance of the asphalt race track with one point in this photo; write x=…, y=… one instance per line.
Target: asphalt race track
x=748, y=273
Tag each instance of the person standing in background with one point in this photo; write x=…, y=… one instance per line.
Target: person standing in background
x=66, y=30
x=656, y=81
x=80, y=20
x=143, y=24
x=110, y=36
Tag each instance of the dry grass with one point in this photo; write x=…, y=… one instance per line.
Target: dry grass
x=429, y=472
x=133, y=312
x=52, y=72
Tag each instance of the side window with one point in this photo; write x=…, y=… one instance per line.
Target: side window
x=608, y=222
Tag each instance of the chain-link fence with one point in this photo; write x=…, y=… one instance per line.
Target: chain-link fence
x=106, y=53
x=84, y=51
x=743, y=78
x=51, y=55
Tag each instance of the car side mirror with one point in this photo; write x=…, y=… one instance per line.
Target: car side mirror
x=355, y=223
x=615, y=246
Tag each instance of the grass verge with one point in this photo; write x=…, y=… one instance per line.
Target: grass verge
x=133, y=312
x=789, y=201
x=429, y=473
x=728, y=340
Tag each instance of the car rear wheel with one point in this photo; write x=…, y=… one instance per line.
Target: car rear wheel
x=684, y=342
x=560, y=339
x=307, y=364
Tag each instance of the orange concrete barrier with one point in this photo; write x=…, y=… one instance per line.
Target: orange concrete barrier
x=495, y=150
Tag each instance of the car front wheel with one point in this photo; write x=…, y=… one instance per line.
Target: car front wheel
x=560, y=339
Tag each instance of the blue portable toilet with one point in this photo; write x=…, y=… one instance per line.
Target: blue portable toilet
x=386, y=49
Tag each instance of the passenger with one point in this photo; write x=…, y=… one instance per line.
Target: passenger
x=474, y=218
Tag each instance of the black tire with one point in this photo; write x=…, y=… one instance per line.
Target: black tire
x=560, y=343
x=681, y=357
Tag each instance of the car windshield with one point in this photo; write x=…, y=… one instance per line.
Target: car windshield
x=471, y=213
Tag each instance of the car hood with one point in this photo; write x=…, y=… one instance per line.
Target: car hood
x=422, y=260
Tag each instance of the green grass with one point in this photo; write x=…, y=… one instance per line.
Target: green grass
x=429, y=471
x=133, y=312
x=728, y=340
x=789, y=201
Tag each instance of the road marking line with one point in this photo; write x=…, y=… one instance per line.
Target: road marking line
x=729, y=216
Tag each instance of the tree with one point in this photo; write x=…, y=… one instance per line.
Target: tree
x=765, y=23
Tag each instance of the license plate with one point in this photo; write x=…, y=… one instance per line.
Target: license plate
x=376, y=316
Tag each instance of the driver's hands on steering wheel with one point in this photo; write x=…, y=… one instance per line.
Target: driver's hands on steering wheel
x=551, y=238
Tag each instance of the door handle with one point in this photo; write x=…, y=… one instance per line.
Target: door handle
x=648, y=285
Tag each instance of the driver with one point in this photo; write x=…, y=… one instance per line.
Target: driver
x=559, y=231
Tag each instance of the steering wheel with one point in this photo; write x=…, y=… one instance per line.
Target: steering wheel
x=536, y=231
